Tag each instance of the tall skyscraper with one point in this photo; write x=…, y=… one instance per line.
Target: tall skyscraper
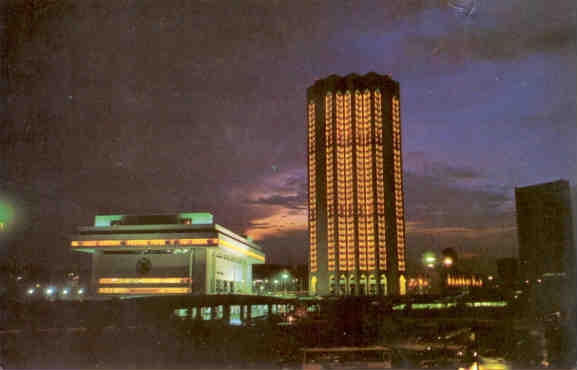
x=356, y=211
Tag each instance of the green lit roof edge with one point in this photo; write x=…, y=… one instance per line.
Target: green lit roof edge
x=197, y=218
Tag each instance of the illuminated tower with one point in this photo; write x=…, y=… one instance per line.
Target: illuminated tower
x=356, y=212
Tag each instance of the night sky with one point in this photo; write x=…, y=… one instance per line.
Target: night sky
x=167, y=106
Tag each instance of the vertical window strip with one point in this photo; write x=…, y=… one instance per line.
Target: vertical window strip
x=360, y=179
x=350, y=240
x=368, y=180
x=398, y=185
x=381, y=234
x=329, y=123
x=341, y=183
x=312, y=188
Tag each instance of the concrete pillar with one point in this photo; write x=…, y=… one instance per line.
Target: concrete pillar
x=226, y=313
x=93, y=289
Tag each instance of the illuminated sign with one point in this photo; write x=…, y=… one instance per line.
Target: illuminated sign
x=167, y=280
x=142, y=242
x=144, y=290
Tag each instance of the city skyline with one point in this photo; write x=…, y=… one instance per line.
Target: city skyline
x=170, y=124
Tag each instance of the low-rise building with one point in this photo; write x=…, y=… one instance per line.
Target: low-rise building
x=184, y=253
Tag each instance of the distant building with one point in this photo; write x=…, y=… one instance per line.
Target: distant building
x=356, y=200
x=185, y=253
x=546, y=247
x=419, y=284
x=545, y=230
x=508, y=270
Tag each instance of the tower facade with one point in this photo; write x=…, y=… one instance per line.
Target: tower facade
x=355, y=187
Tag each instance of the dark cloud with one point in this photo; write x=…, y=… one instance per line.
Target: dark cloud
x=498, y=31
x=290, y=201
x=442, y=202
x=288, y=248
x=443, y=211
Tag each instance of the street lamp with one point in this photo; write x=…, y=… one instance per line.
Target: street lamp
x=429, y=259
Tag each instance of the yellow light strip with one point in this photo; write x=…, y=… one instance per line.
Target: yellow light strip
x=312, y=187
x=348, y=178
x=398, y=185
x=229, y=245
x=359, y=180
x=168, y=280
x=142, y=242
x=379, y=164
x=144, y=290
x=341, y=185
x=329, y=123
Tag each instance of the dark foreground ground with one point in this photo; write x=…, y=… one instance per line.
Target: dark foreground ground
x=152, y=348
x=108, y=337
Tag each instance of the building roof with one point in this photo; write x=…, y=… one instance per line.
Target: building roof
x=159, y=231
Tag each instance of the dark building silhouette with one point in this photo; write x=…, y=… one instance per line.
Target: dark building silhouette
x=545, y=230
x=508, y=270
x=356, y=211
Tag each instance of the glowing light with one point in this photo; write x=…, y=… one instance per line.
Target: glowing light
x=241, y=250
x=143, y=290
x=429, y=259
x=379, y=169
x=398, y=184
x=487, y=304
x=6, y=215
x=448, y=262
x=329, y=140
x=312, y=187
x=168, y=280
x=31, y=291
x=432, y=306
x=464, y=281
x=142, y=242
x=49, y=291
